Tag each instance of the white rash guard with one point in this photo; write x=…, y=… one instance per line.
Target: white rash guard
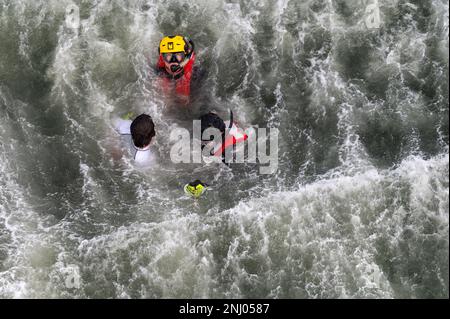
x=143, y=156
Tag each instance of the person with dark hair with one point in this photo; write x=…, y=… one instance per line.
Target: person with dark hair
x=231, y=133
x=141, y=130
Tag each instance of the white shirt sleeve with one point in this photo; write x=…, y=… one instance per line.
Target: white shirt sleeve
x=122, y=126
x=144, y=158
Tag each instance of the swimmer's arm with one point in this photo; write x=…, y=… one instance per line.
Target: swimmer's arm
x=112, y=144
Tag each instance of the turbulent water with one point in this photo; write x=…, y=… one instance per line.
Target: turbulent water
x=359, y=206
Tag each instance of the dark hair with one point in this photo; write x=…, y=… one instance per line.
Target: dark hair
x=142, y=130
x=212, y=120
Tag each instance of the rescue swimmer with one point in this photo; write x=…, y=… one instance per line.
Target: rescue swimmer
x=175, y=64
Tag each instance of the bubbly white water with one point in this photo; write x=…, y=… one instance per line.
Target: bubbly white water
x=358, y=208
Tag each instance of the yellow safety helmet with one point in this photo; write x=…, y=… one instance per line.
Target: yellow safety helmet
x=173, y=44
x=195, y=189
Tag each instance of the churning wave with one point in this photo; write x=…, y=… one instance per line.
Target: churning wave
x=359, y=205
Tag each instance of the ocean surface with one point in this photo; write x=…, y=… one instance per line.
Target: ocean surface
x=359, y=205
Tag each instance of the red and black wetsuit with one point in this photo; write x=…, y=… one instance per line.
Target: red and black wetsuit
x=182, y=79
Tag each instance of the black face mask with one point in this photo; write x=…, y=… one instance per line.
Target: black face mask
x=175, y=67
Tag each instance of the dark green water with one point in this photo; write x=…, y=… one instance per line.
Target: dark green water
x=357, y=209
